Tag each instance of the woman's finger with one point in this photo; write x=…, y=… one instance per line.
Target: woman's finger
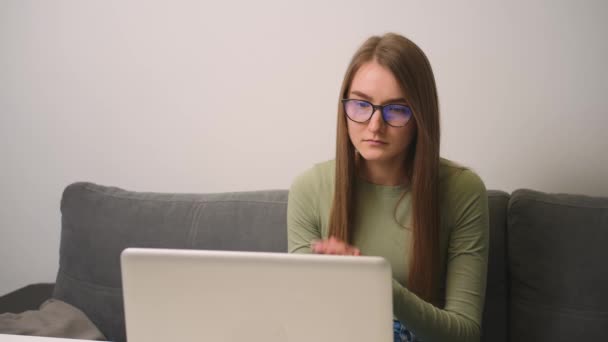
x=333, y=246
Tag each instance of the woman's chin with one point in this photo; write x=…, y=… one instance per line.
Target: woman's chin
x=371, y=156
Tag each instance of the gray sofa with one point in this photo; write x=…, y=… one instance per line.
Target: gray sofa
x=547, y=277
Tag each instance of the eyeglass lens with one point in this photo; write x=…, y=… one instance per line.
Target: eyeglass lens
x=393, y=114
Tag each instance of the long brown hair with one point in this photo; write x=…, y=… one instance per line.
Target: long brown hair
x=413, y=72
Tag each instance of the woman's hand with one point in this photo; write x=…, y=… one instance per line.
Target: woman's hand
x=333, y=246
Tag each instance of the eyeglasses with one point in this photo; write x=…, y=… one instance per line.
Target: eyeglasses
x=395, y=115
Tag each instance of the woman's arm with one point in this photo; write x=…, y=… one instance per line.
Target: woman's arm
x=303, y=222
x=467, y=255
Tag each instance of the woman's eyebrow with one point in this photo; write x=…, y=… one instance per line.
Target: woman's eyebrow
x=362, y=95
x=370, y=99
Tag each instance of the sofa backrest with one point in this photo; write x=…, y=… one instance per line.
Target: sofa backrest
x=557, y=248
x=494, y=321
x=98, y=222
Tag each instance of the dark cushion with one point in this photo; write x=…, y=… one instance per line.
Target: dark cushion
x=494, y=323
x=557, y=248
x=26, y=298
x=98, y=222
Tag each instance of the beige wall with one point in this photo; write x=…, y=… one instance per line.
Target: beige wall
x=201, y=96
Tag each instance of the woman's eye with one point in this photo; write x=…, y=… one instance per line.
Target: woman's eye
x=399, y=110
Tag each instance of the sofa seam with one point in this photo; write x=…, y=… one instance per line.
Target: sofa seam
x=193, y=232
x=570, y=205
x=183, y=201
x=546, y=307
x=107, y=289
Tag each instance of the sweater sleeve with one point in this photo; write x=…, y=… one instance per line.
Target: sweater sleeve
x=467, y=255
x=303, y=223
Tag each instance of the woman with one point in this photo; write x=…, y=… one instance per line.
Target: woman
x=389, y=194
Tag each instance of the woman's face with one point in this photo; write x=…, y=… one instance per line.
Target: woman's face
x=376, y=141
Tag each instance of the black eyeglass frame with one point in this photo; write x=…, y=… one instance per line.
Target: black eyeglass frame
x=374, y=108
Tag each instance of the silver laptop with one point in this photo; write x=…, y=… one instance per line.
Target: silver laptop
x=188, y=295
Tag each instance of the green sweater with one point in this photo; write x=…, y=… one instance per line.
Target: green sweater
x=463, y=243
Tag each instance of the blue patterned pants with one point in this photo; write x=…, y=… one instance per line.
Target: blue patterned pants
x=401, y=334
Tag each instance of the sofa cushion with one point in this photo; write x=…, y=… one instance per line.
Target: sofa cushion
x=494, y=323
x=557, y=248
x=54, y=318
x=26, y=298
x=98, y=222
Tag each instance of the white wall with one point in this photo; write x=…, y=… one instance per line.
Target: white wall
x=195, y=96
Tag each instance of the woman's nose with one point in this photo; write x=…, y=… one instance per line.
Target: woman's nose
x=376, y=122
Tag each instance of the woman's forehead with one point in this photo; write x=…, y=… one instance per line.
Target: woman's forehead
x=376, y=82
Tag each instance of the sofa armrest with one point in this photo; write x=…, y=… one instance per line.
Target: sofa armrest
x=26, y=298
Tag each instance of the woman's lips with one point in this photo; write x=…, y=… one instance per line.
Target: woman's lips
x=375, y=142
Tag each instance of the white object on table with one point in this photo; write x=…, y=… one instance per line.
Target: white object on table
x=23, y=338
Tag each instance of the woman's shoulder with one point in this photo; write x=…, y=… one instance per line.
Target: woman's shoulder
x=457, y=178
x=320, y=174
